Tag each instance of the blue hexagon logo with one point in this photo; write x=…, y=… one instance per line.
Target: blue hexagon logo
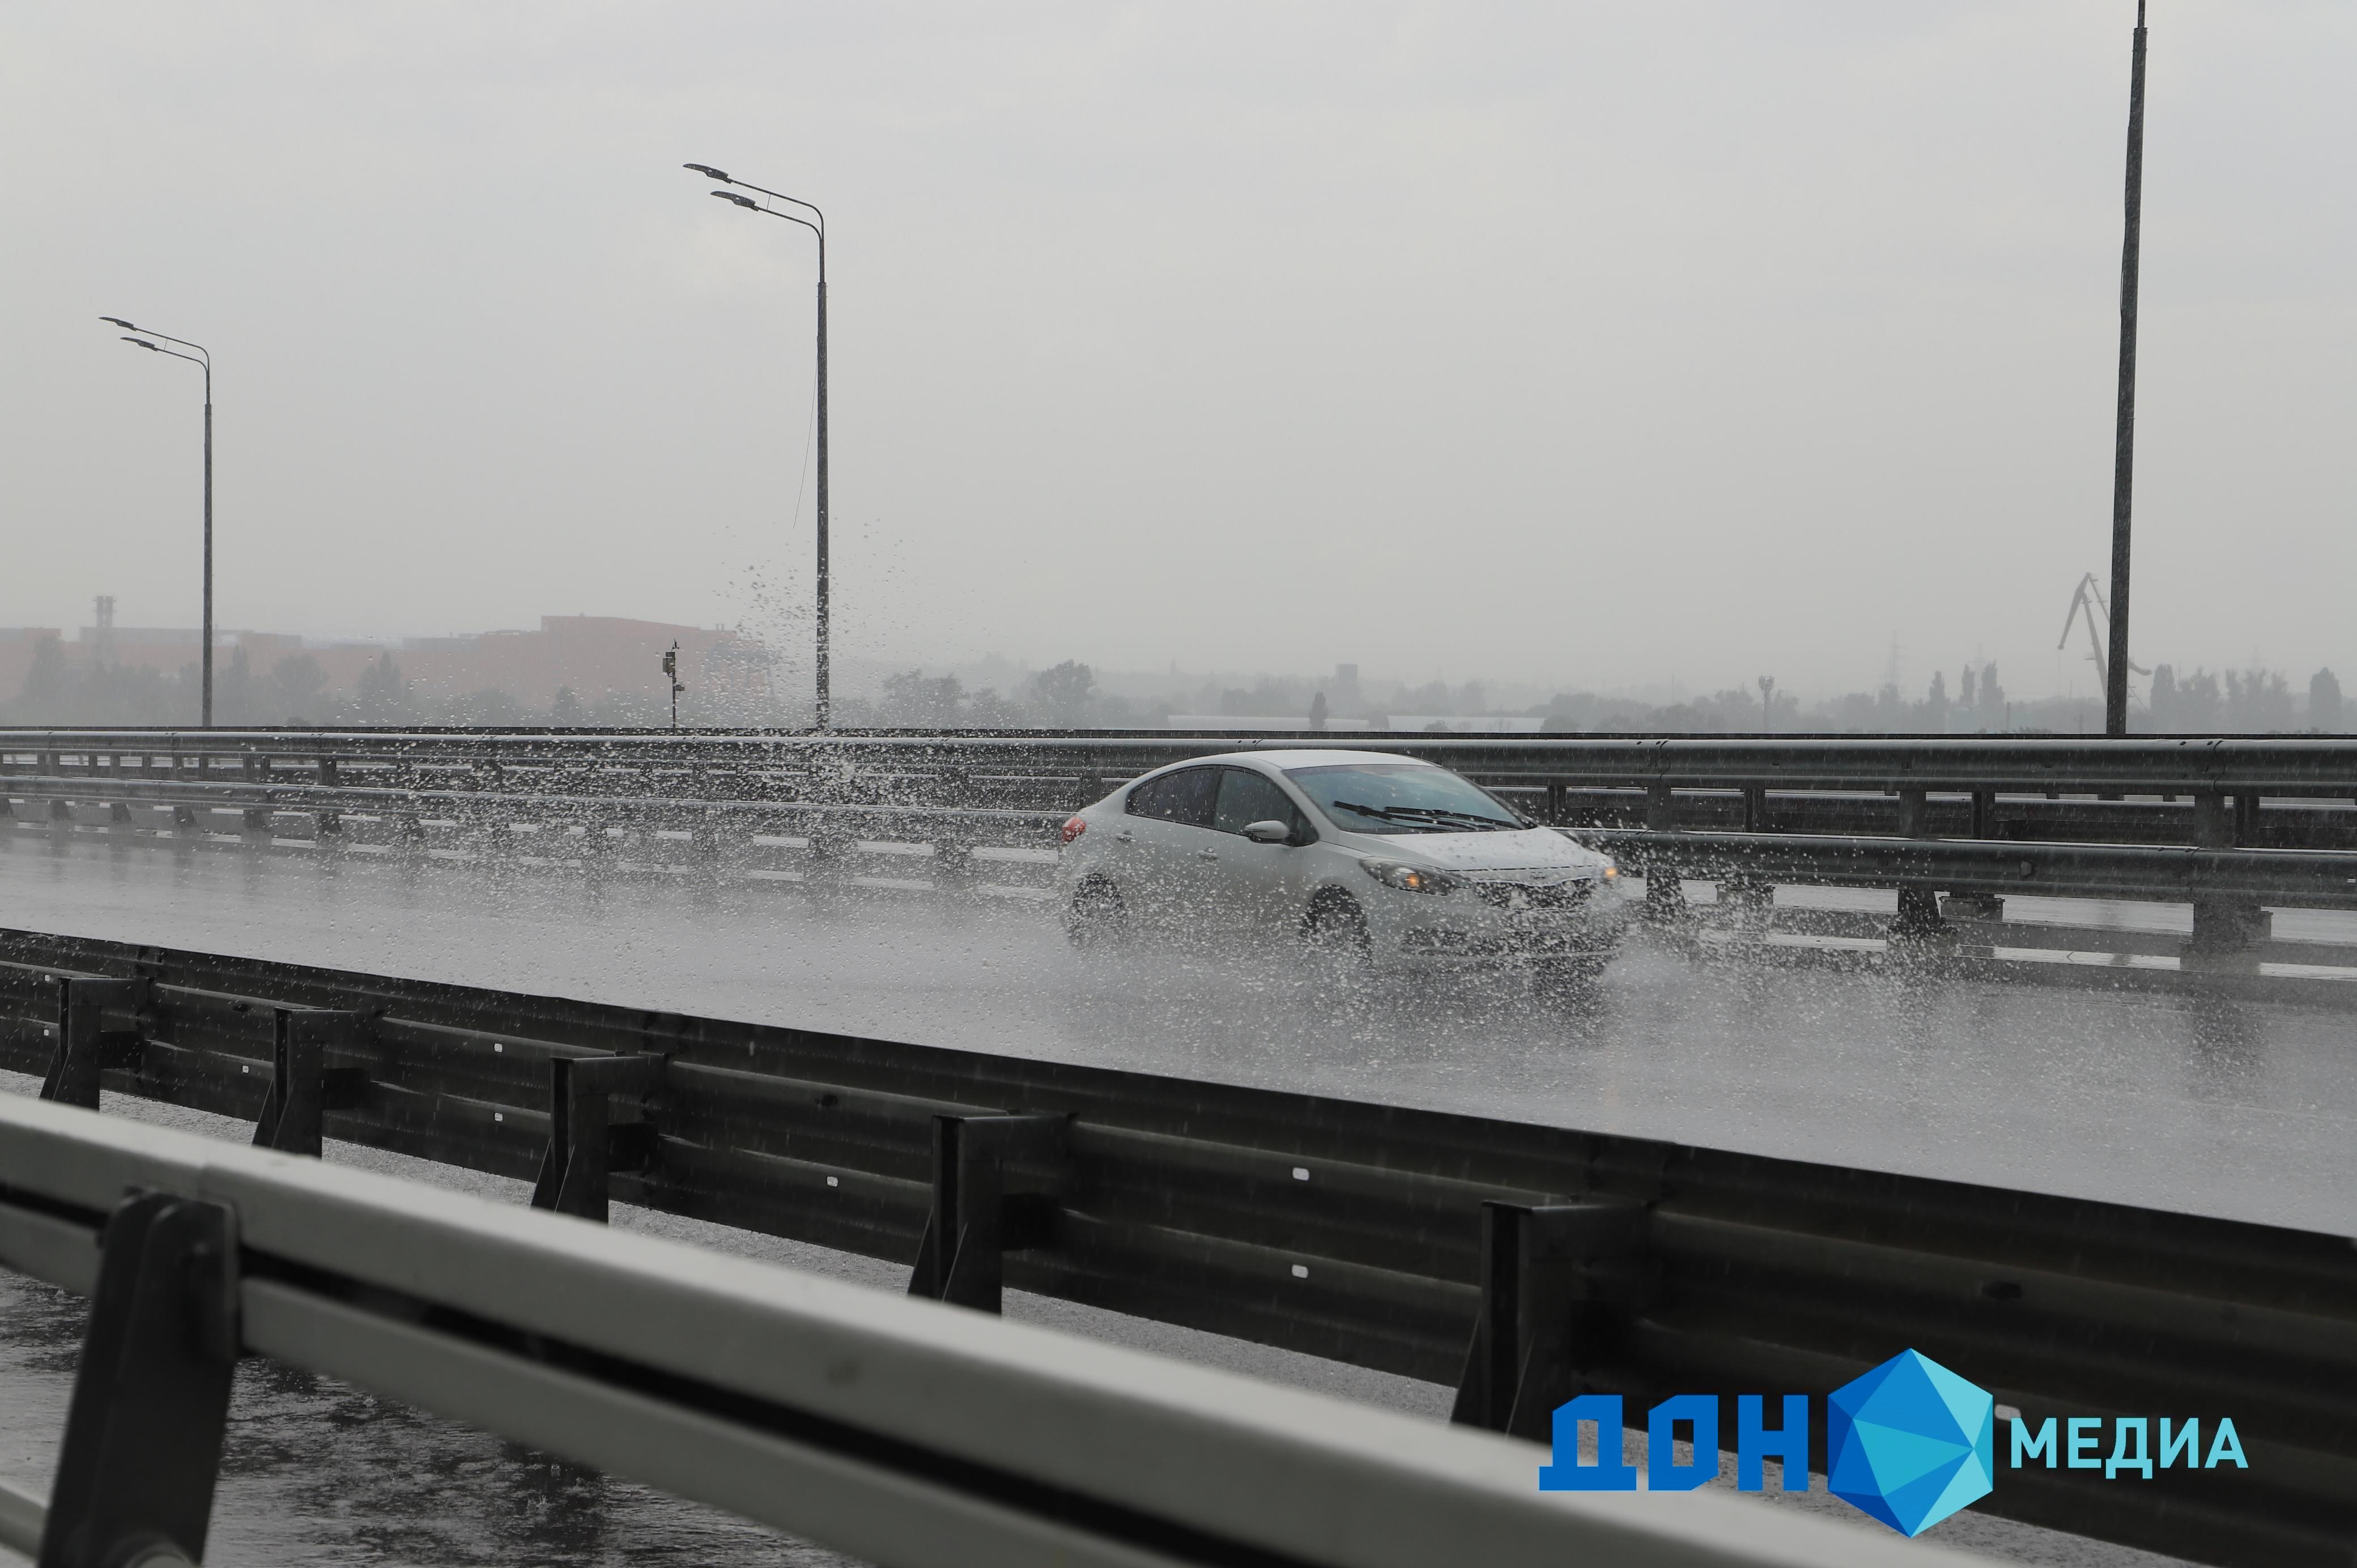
x=1910, y=1442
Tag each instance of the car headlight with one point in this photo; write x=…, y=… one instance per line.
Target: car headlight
x=1611, y=869
x=1410, y=879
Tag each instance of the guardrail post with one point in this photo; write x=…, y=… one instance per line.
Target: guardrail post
x=85, y=1047
x=584, y=1146
x=1755, y=809
x=1919, y=907
x=704, y=840
x=2223, y=928
x=1914, y=812
x=1919, y=913
x=1557, y=1284
x=150, y=1404
x=1983, y=813
x=1666, y=893
x=1665, y=896
x=953, y=868
x=830, y=847
x=599, y=850
x=1749, y=903
x=1973, y=906
x=301, y=1085
x=981, y=1211
x=2224, y=931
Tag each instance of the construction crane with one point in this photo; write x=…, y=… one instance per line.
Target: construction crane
x=2089, y=601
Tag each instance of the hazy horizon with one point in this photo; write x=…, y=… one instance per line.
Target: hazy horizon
x=863, y=679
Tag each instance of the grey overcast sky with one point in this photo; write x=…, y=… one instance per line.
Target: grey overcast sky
x=1600, y=343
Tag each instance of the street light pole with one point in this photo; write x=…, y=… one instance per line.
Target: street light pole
x=203, y=359
x=2116, y=681
x=822, y=708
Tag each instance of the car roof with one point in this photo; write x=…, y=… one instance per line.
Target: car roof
x=1308, y=757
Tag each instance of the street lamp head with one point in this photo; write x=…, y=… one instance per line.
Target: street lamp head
x=118, y=321
x=143, y=344
x=708, y=172
x=745, y=201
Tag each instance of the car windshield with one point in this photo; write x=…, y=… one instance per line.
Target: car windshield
x=1402, y=798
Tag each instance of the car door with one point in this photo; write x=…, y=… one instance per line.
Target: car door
x=1259, y=883
x=1165, y=835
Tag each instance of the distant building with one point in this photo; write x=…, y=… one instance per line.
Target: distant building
x=1244, y=722
x=1344, y=692
x=1463, y=723
x=595, y=656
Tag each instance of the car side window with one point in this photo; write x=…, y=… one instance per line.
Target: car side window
x=1246, y=797
x=1181, y=797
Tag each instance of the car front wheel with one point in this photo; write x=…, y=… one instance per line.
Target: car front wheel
x=1335, y=929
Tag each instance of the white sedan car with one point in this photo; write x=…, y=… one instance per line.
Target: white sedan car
x=1358, y=853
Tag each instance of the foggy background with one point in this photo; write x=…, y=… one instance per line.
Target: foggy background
x=1613, y=346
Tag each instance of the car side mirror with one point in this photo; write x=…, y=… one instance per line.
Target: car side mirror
x=1270, y=832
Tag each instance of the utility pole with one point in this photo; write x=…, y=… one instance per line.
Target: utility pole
x=1767, y=703
x=671, y=674
x=2116, y=674
x=823, y=710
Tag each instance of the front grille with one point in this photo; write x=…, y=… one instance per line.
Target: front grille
x=1514, y=896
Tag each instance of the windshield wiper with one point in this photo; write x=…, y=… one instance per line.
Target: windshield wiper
x=1396, y=813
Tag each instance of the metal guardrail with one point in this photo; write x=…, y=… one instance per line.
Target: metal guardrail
x=2296, y=878
x=2285, y=765
x=897, y=1430
x=2274, y=820
x=1371, y=1234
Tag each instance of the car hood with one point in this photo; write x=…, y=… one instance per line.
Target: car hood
x=1532, y=849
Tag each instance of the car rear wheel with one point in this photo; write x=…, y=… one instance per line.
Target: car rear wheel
x=1096, y=913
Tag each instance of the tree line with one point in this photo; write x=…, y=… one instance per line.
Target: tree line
x=1067, y=695
x=291, y=692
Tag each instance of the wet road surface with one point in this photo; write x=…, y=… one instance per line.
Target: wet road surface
x=2237, y=1107
x=2204, y=1103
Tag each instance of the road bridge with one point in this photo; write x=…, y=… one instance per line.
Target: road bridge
x=2207, y=1102
x=1525, y=1264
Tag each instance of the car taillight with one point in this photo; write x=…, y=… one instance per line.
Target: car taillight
x=1073, y=828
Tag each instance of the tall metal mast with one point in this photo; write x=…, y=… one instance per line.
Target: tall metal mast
x=2116, y=677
